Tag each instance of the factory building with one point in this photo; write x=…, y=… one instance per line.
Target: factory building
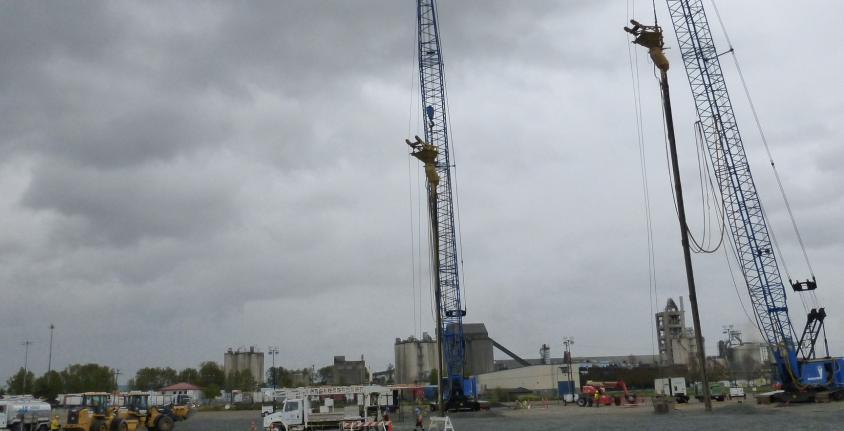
x=242, y=359
x=348, y=372
x=545, y=380
x=479, y=359
x=677, y=344
x=415, y=358
x=744, y=360
x=626, y=361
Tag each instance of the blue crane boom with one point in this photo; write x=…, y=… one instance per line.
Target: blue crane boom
x=798, y=369
x=451, y=311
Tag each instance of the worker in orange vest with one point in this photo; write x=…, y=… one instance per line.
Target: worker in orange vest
x=597, y=398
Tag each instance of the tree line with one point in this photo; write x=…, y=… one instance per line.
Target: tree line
x=73, y=379
x=209, y=376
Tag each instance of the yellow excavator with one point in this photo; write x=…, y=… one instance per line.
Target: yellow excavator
x=92, y=414
x=136, y=413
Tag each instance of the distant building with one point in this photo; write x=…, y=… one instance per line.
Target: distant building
x=194, y=392
x=303, y=377
x=349, y=372
x=627, y=361
x=677, y=344
x=386, y=377
x=415, y=358
x=744, y=360
x=545, y=380
x=479, y=359
x=243, y=359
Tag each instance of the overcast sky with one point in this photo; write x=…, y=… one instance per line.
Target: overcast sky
x=179, y=178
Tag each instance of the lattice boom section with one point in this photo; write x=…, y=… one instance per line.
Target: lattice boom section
x=741, y=201
x=433, y=95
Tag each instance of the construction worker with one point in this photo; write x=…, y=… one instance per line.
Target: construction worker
x=54, y=424
x=597, y=398
x=418, y=420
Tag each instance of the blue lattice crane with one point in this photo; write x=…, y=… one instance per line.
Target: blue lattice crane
x=801, y=372
x=435, y=153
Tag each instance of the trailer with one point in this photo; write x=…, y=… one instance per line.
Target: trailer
x=672, y=387
x=24, y=413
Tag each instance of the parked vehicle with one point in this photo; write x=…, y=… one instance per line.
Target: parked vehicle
x=24, y=413
x=301, y=410
x=737, y=392
x=717, y=391
x=672, y=387
x=605, y=398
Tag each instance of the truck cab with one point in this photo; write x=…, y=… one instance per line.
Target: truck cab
x=297, y=414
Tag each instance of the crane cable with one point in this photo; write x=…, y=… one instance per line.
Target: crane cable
x=764, y=139
x=633, y=59
x=708, y=197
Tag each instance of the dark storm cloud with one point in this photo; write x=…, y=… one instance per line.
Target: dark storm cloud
x=123, y=206
x=232, y=174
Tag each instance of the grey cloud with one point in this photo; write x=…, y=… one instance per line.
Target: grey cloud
x=233, y=166
x=122, y=207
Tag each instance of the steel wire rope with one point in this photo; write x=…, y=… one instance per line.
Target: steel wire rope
x=764, y=140
x=633, y=60
x=755, y=320
x=462, y=268
x=413, y=261
x=706, y=186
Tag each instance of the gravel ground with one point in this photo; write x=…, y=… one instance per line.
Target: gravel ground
x=727, y=415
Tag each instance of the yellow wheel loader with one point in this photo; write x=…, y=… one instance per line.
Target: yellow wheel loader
x=136, y=413
x=92, y=414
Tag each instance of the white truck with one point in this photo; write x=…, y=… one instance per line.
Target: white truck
x=301, y=410
x=672, y=387
x=24, y=414
x=737, y=392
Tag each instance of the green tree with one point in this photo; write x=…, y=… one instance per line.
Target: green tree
x=247, y=382
x=435, y=376
x=189, y=375
x=151, y=379
x=22, y=382
x=326, y=374
x=280, y=376
x=88, y=377
x=211, y=391
x=241, y=381
x=49, y=385
x=211, y=374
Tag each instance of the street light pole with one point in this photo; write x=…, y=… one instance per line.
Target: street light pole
x=568, y=342
x=50, y=354
x=273, y=350
x=25, y=344
x=116, y=375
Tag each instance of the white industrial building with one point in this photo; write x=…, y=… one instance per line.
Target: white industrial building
x=552, y=379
